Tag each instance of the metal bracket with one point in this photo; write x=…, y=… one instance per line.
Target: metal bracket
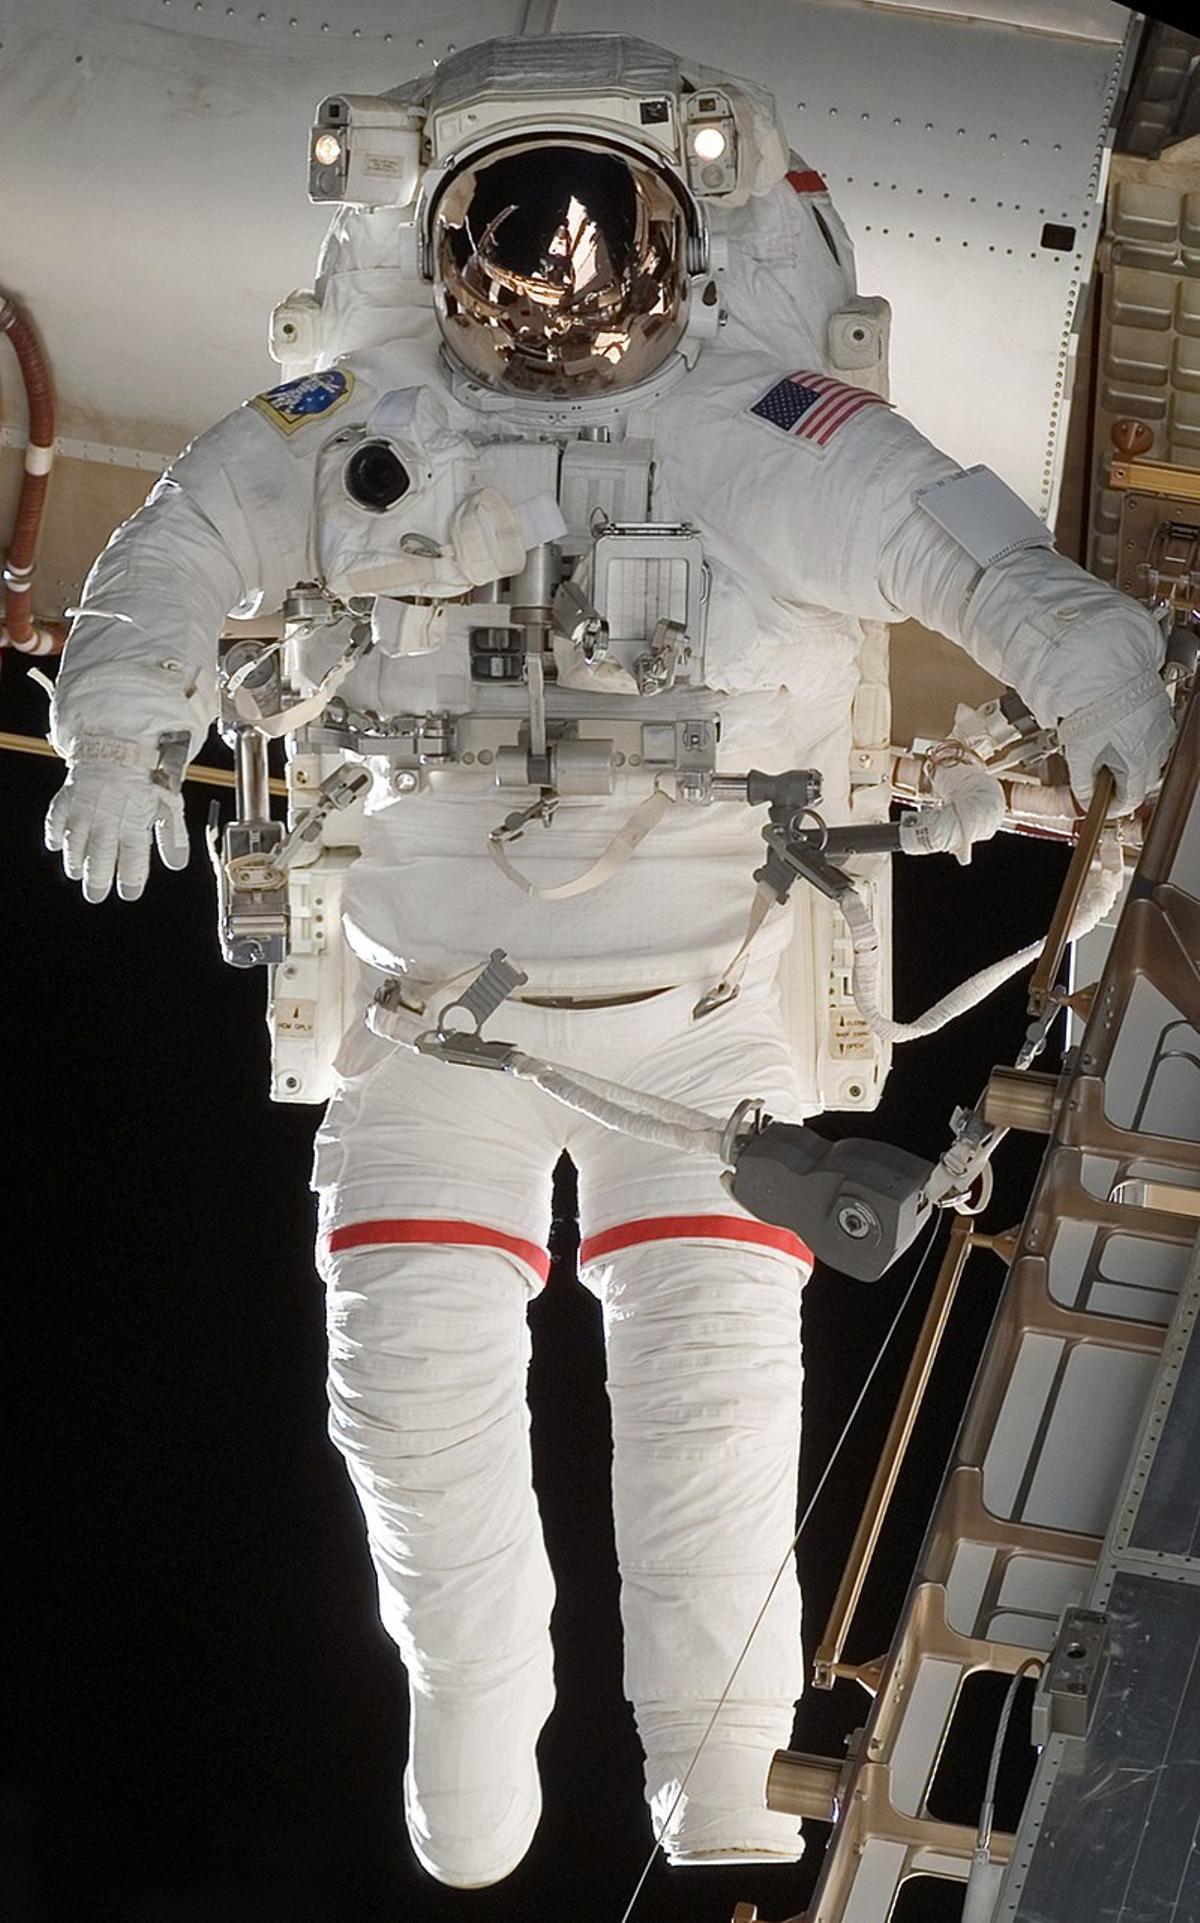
x=252, y=892
x=1073, y=1677
x=577, y=621
x=492, y=986
x=338, y=791
x=257, y=668
x=513, y=826
x=465, y=1051
x=790, y=860
x=171, y=766
x=656, y=669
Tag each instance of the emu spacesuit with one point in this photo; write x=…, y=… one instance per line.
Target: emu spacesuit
x=588, y=321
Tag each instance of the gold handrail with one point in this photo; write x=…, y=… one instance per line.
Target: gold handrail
x=1045, y=975
x=827, y=1663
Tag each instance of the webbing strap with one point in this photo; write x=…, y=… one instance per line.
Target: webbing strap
x=645, y=817
x=724, y=990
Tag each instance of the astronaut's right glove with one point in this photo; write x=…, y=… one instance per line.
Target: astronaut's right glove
x=1129, y=730
x=102, y=819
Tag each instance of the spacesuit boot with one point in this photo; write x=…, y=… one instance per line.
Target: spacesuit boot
x=719, y=1816
x=472, y=1750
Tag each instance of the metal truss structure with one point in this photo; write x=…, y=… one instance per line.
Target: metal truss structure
x=1066, y=1532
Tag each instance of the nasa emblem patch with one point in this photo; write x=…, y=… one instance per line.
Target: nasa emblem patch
x=290, y=406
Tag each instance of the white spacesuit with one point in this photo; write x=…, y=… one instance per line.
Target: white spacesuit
x=599, y=317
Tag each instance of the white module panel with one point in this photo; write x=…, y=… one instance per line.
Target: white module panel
x=154, y=156
x=968, y=158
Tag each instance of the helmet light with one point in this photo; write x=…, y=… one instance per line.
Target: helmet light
x=708, y=143
x=711, y=145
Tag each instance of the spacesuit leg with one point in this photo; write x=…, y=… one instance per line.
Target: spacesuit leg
x=702, y=1321
x=435, y=1193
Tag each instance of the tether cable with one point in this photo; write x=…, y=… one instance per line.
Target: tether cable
x=813, y=1500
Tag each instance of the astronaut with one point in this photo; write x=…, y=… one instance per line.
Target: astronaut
x=600, y=316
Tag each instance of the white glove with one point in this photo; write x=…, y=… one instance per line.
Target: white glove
x=1130, y=730
x=101, y=818
x=972, y=809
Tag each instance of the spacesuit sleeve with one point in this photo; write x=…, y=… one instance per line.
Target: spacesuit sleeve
x=992, y=582
x=227, y=528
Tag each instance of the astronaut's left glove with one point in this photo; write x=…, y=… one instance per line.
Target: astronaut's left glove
x=1130, y=730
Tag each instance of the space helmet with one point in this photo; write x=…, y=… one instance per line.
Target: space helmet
x=560, y=268
x=560, y=188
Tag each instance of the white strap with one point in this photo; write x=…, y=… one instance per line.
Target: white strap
x=273, y=726
x=111, y=751
x=731, y=980
x=645, y=817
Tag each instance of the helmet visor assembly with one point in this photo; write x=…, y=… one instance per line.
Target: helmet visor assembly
x=560, y=267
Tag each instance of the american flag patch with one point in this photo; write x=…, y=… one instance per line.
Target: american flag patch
x=812, y=407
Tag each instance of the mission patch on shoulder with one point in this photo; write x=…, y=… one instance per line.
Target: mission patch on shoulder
x=290, y=406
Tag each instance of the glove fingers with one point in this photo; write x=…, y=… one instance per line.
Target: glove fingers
x=1128, y=793
x=57, y=816
x=1107, y=758
x=76, y=835
x=99, y=866
x=101, y=819
x=1132, y=737
x=170, y=833
x=133, y=865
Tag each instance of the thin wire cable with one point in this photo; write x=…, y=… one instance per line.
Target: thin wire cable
x=784, y=1565
x=987, y=1813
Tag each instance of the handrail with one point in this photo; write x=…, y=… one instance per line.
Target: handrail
x=827, y=1662
x=1045, y=975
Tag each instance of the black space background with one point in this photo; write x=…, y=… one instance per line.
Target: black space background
x=205, y=1723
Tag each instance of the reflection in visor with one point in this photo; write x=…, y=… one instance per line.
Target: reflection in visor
x=561, y=270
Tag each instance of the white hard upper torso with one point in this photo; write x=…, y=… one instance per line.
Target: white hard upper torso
x=781, y=652
x=782, y=672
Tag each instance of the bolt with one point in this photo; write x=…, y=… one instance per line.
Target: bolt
x=405, y=781
x=856, y=1220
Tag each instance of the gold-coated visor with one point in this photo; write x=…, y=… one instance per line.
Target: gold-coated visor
x=560, y=269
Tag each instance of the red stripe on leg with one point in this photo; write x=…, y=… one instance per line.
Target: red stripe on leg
x=430, y=1231
x=695, y=1228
